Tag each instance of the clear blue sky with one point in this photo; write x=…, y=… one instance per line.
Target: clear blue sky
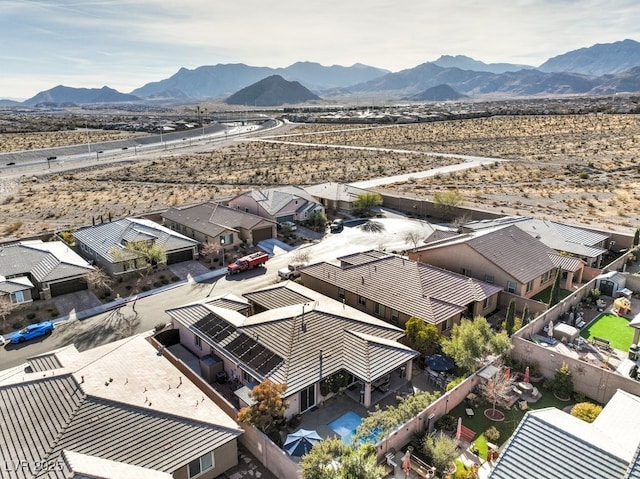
x=125, y=44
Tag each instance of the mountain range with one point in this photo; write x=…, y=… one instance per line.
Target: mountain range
x=599, y=69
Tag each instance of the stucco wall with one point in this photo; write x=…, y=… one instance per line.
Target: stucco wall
x=225, y=457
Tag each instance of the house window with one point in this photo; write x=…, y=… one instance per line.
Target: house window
x=511, y=287
x=379, y=309
x=341, y=293
x=17, y=297
x=488, y=278
x=487, y=303
x=546, y=276
x=362, y=301
x=198, y=342
x=394, y=316
x=466, y=271
x=248, y=378
x=308, y=398
x=226, y=239
x=200, y=465
x=529, y=286
x=448, y=324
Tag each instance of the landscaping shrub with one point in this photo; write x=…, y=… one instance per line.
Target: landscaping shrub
x=31, y=316
x=492, y=434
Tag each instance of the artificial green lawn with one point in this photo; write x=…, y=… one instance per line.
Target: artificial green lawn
x=480, y=423
x=611, y=327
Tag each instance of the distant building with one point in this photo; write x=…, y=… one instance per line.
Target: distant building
x=287, y=203
x=335, y=196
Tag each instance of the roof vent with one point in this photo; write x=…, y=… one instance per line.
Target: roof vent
x=362, y=279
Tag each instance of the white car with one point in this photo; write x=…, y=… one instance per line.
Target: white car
x=292, y=271
x=2, y=341
x=292, y=226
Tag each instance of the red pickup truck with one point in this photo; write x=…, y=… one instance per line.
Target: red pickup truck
x=247, y=262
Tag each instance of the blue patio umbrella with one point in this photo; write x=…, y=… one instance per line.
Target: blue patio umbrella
x=438, y=362
x=300, y=442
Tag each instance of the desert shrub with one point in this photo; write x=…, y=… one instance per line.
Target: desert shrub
x=159, y=327
x=16, y=325
x=586, y=411
x=492, y=434
x=175, y=278
x=31, y=316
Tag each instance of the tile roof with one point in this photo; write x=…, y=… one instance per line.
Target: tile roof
x=335, y=191
x=296, y=348
x=213, y=218
x=559, y=236
x=552, y=444
x=97, y=405
x=413, y=288
x=101, y=238
x=275, y=199
x=49, y=261
x=514, y=251
x=566, y=263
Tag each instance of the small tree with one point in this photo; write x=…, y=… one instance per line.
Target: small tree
x=447, y=200
x=144, y=254
x=554, y=296
x=562, y=383
x=636, y=237
x=6, y=308
x=498, y=387
x=269, y=407
x=525, y=314
x=413, y=237
x=424, y=337
x=99, y=280
x=210, y=250
x=442, y=450
x=364, y=202
x=317, y=221
x=511, y=317
x=471, y=342
x=333, y=459
x=586, y=411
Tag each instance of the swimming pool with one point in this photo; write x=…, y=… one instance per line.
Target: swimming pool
x=345, y=426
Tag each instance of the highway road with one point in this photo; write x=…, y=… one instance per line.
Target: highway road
x=150, y=311
x=52, y=160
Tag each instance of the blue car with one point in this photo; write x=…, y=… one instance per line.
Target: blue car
x=32, y=331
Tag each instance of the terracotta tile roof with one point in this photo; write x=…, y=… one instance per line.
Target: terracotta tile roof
x=416, y=289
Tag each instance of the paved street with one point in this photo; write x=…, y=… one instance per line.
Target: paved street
x=150, y=310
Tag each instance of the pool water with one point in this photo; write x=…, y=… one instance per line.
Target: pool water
x=345, y=426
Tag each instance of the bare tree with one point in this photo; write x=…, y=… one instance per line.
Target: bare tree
x=99, y=280
x=6, y=308
x=211, y=250
x=301, y=256
x=499, y=386
x=413, y=237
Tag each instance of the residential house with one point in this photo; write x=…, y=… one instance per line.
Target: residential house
x=99, y=244
x=212, y=222
x=119, y=410
x=589, y=246
x=292, y=335
x=335, y=196
x=37, y=270
x=506, y=256
x=286, y=203
x=551, y=443
x=394, y=289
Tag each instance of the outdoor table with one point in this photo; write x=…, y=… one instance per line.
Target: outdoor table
x=470, y=412
x=525, y=387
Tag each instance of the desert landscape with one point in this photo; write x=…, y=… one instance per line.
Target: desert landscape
x=575, y=168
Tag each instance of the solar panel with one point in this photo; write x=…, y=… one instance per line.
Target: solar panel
x=215, y=327
x=253, y=354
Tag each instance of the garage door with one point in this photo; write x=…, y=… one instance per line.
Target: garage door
x=70, y=286
x=262, y=234
x=179, y=256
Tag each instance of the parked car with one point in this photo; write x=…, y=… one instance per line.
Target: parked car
x=292, y=226
x=292, y=271
x=336, y=226
x=2, y=341
x=32, y=331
